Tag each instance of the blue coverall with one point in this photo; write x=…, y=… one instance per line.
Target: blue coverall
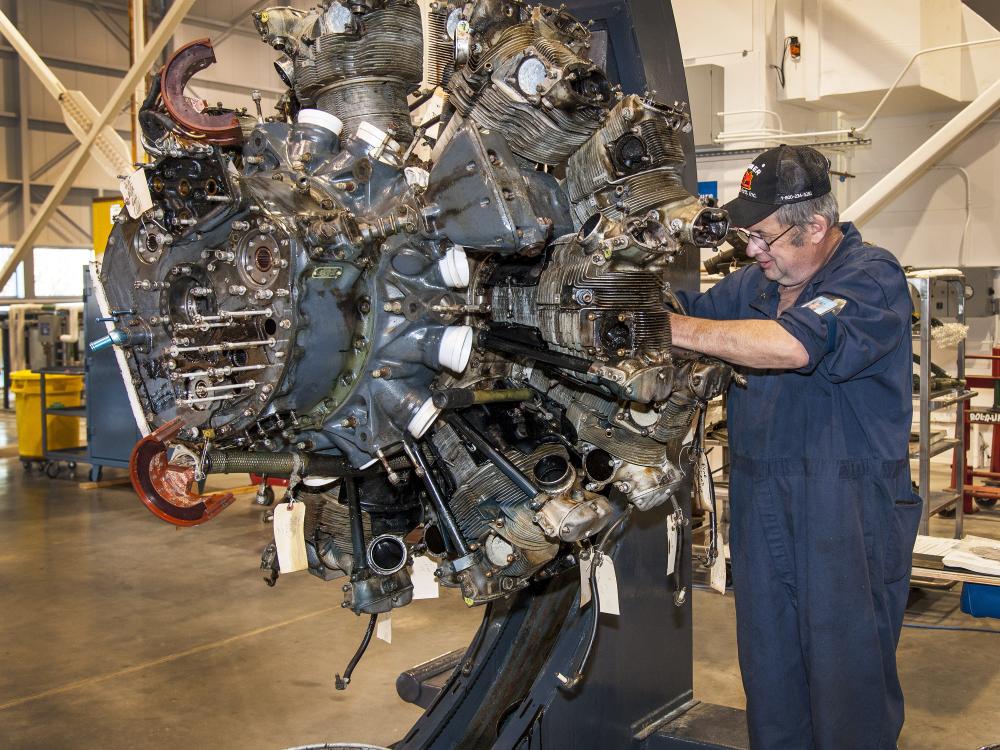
x=823, y=516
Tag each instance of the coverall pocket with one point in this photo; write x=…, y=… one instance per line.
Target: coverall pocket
x=902, y=533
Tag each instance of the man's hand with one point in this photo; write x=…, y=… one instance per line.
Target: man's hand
x=760, y=344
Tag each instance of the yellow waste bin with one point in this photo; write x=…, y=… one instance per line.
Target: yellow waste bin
x=60, y=390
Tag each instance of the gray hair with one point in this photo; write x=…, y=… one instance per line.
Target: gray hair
x=801, y=214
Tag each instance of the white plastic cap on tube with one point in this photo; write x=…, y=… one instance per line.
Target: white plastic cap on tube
x=423, y=419
x=454, y=267
x=456, y=347
x=321, y=119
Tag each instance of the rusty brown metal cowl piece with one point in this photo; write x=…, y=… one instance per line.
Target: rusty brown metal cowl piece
x=164, y=488
x=222, y=129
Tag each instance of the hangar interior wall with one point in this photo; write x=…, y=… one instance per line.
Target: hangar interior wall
x=851, y=52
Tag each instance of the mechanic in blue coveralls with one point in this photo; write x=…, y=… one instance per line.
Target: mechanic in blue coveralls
x=823, y=516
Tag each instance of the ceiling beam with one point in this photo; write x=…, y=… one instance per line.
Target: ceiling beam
x=163, y=34
x=988, y=10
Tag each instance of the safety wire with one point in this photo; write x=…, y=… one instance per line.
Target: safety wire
x=568, y=683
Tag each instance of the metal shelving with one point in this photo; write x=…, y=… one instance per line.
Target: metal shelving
x=936, y=447
x=928, y=401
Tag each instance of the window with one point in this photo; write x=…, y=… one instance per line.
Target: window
x=15, y=286
x=59, y=271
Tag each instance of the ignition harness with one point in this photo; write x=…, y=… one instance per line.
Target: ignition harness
x=341, y=683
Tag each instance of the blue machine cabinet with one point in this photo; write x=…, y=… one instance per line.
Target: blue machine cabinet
x=111, y=428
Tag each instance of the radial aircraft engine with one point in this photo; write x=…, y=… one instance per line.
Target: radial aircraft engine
x=433, y=292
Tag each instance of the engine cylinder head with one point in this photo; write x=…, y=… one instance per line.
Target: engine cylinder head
x=531, y=85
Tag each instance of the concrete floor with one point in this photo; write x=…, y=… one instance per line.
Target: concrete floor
x=119, y=631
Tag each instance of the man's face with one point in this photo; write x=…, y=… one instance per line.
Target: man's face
x=781, y=259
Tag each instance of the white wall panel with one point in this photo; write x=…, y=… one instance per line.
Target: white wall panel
x=710, y=28
x=923, y=225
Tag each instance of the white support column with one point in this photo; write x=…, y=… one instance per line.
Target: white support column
x=137, y=37
x=924, y=157
x=23, y=136
x=76, y=163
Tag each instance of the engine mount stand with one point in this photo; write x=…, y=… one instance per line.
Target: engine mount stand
x=637, y=690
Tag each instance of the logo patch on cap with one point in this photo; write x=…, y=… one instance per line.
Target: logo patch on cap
x=747, y=180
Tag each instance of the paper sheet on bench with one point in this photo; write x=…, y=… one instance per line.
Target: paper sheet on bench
x=933, y=545
x=977, y=554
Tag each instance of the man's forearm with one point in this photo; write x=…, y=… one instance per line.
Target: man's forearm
x=761, y=344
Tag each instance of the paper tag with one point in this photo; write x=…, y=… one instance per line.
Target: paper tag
x=607, y=586
x=425, y=585
x=717, y=575
x=704, y=491
x=671, y=544
x=135, y=191
x=289, y=537
x=585, y=581
x=416, y=176
x=383, y=627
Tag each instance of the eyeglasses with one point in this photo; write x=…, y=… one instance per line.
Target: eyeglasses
x=759, y=241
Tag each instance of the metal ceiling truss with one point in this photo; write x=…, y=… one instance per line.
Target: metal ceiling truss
x=98, y=129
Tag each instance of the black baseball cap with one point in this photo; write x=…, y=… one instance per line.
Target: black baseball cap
x=783, y=175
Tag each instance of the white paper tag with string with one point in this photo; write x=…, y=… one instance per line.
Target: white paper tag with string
x=607, y=586
x=135, y=192
x=717, y=575
x=383, y=627
x=425, y=585
x=585, y=581
x=289, y=537
x=704, y=482
x=671, y=544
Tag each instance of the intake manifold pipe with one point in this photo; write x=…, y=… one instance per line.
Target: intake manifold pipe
x=448, y=346
x=315, y=133
x=454, y=267
x=455, y=348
